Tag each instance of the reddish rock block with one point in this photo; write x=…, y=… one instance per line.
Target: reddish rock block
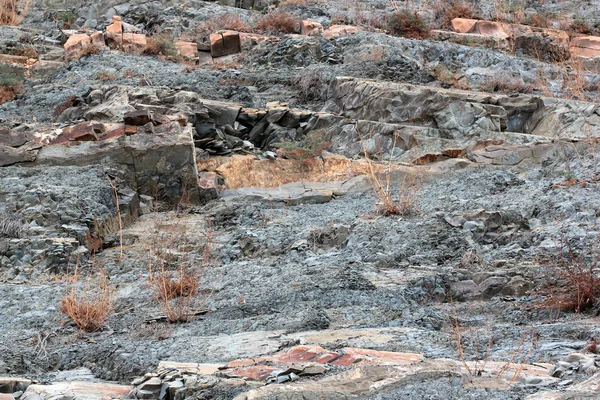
x=82, y=132
x=187, y=50
x=253, y=372
x=75, y=44
x=300, y=354
x=114, y=33
x=463, y=25
x=98, y=39
x=224, y=43
x=336, y=31
x=6, y=396
x=308, y=27
x=134, y=42
x=374, y=357
x=586, y=46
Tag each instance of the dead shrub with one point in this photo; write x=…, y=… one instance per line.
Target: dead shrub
x=388, y=203
x=445, y=11
x=12, y=12
x=310, y=85
x=175, y=274
x=161, y=44
x=407, y=24
x=474, y=345
x=506, y=84
x=581, y=27
x=573, y=283
x=278, y=23
x=88, y=300
x=223, y=21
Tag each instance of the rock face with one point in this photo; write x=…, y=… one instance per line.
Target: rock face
x=161, y=163
x=460, y=115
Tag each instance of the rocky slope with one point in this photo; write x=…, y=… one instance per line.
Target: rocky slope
x=247, y=171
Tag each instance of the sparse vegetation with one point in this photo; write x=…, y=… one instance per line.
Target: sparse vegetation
x=277, y=23
x=310, y=85
x=405, y=202
x=228, y=21
x=162, y=44
x=573, y=281
x=175, y=274
x=88, y=300
x=13, y=11
x=407, y=24
x=11, y=82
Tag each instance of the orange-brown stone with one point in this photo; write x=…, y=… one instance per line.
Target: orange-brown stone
x=75, y=44
x=306, y=27
x=224, y=43
x=463, y=25
x=187, y=50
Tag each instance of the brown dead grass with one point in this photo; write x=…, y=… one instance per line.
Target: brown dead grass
x=12, y=12
x=88, y=300
x=277, y=23
x=247, y=171
x=175, y=275
x=223, y=21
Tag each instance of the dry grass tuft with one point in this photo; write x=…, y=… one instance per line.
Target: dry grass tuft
x=278, y=23
x=407, y=24
x=88, y=301
x=175, y=275
x=573, y=281
x=406, y=201
x=162, y=44
x=223, y=21
x=12, y=12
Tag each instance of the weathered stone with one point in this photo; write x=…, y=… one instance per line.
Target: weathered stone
x=98, y=39
x=586, y=46
x=13, y=384
x=310, y=27
x=11, y=138
x=75, y=44
x=224, y=43
x=463, y=25
x=137, y=118
x=187, y=50
x=12, y=155
x=134, y=42
x=489, y=28
x=114, y=33
x=81, y=390
x=547, y=45
x=166, y=160
x=335, y=31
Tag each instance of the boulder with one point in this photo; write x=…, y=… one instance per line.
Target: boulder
x=137, y=118
x=586, y=46
x=463, y=25
x=11, y=138
x=224, y=43
x=114, y=33
x=79, y=390
x=187, y=50
x=12, y=155
x=134, y=42
x=308, y=27
x=336, y=31
x=75, y=44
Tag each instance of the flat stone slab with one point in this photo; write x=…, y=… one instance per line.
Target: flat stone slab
x=298, y=192
x=77, y=390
